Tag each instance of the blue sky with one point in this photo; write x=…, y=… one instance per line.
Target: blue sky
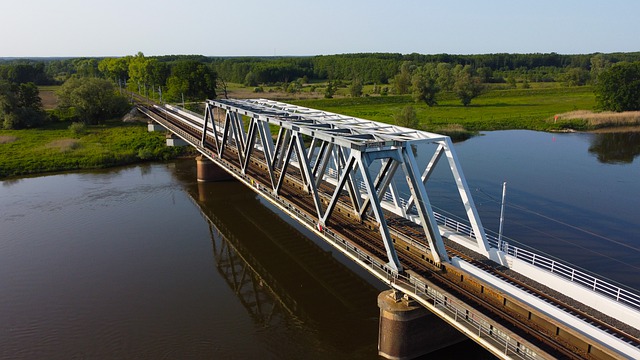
x=300, y=27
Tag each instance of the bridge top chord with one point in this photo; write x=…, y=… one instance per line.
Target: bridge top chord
x=350, y=131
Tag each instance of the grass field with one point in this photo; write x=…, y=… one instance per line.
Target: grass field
x=57, y=148
x=497, y=109
x=532, y=109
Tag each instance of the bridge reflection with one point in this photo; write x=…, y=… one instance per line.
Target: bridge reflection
x=284, y=276
x=280, y=275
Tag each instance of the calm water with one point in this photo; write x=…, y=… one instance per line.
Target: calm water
x=125, y=264
x=574, y=196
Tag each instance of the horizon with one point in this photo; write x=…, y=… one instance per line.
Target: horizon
x=291, y=56
x=251, y=28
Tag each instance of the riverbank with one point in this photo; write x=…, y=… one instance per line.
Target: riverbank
x=58, y=147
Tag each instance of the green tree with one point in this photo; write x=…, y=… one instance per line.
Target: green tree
x=467, y=85
x=87, y=67
x=406, y=117
x=115, y=68
x=618, y=87
x=598, y=64
x=576, y=77
x=93, y=99
x=355, y=89
x=251, y=79
x=445, y=78
x=330, y=91
x=193, y=79
x=20, y=106
x=402, y=80
x=137, y=70
x=424, y=85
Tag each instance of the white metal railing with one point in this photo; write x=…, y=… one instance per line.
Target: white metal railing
x=564, y=270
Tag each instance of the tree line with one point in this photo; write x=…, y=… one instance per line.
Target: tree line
x=196, y=77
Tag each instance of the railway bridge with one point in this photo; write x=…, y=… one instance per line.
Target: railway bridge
x=362, y=186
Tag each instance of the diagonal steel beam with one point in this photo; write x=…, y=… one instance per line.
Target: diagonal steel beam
x=338, y=189
x=427, y=172
x=307, y=174
x=250, y=144
x=285, y=164
x=268, y=149
x=467, y=200
x=427, y=219
x=352, y=188
x=381, y=182
x=364, y=163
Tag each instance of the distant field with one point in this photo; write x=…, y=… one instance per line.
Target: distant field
x=48, y=96
x=497, y=109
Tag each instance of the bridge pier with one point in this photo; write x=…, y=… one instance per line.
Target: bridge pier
x=154, y=126
x=408, y=330
x=173, y=140
x=209, y=171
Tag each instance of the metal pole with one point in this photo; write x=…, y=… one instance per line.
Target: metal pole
x=504, y=192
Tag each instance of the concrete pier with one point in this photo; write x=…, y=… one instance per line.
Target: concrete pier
x=173, y=140
x=408, y=330
x=209, y=171
x=153, y=126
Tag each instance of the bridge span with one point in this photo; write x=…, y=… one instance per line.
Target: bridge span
x=358, y=185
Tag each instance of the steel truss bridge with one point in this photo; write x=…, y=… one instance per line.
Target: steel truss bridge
x=342, y=177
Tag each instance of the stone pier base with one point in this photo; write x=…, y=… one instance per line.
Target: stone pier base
x=173, y=140
x=408, y=330
x=209, y=171
x=152, y=126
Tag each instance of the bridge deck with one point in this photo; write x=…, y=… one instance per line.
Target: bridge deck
x=412, y=247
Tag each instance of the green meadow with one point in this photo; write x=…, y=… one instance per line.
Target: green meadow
x=57, y=147
x=498, y=109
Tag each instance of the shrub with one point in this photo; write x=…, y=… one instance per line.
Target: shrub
x=78, y=128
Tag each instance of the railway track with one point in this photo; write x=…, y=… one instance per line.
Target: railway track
x=364, y=234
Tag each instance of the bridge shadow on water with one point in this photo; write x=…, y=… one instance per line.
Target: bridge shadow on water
x=285, y=276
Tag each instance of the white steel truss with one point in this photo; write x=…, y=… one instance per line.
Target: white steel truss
x=334, y=156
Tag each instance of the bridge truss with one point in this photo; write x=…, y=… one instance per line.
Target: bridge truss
x=338, y=156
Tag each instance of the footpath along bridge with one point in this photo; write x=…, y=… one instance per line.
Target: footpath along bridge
x=358, y=185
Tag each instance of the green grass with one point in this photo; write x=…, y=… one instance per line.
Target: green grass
x=532, y=109
x=57, y=148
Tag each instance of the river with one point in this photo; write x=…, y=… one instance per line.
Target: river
x=144, y=262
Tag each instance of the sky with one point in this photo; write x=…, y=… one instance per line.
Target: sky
x=77, y=28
